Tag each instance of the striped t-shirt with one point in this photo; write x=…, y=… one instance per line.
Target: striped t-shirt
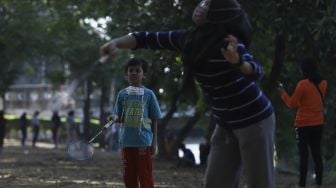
x=235, y=98
x=136, y=110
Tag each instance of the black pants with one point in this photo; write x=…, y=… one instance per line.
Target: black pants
x=36, y=131
x=310, y=136
x=2, y=135
x=23, y=135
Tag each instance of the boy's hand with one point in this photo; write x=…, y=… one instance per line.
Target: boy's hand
x=153, y=150
x=112, y=118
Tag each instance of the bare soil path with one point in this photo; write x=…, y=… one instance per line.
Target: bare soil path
x=44, y=167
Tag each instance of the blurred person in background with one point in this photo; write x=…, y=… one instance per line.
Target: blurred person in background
x=35, y=127
x=3, y=123
x=23, y=121
x=72, y=132
x=55, y=125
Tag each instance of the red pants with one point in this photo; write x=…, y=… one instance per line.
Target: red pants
x=137, y=163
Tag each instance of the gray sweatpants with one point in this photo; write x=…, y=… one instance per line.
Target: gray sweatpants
x=250, y=148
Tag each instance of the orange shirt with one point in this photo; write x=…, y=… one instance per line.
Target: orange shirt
x=307, y=99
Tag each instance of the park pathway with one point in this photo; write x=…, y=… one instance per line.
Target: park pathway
x=45, y=167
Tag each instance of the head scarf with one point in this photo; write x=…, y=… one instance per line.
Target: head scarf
x=225, y=17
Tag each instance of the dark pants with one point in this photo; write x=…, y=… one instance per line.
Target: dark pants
x=55, y=135
x=310, y=137
x=2, y=135
x=23, y=135
x=36, y=131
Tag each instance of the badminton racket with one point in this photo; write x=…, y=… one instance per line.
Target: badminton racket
x=81, y=150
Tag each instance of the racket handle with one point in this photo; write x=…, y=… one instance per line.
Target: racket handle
x=108, y=124
x=92, y=139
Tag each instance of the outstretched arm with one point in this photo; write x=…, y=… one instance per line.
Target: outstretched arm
x=124, y=42
x=150, y=40
x=292, y=101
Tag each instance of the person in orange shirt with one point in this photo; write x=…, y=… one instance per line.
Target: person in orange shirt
x=308, y=98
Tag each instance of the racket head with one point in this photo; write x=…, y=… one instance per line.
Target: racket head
x=80, y=150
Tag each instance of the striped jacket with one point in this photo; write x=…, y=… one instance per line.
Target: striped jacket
x=235, y=99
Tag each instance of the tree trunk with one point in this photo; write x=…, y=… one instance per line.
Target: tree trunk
x=86, y=109
x=184, y=132
x=279, y=56
x=3, y=102
x=103, y=113
x=186, y=83
x=163, y=124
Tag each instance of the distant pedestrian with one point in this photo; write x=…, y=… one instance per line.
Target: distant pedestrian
x=56, y=123
x=23, y=128
x=36, y=127
x=72, y=133
x=3, y=123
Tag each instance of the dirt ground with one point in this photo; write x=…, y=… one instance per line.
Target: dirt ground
x=47, y=167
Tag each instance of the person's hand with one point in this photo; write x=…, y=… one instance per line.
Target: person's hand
x=231, y=53
x=280, y=86
x=200, y=14
x=109, y=49
x=112, y=47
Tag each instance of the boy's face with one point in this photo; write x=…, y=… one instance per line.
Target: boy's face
x=135, y=75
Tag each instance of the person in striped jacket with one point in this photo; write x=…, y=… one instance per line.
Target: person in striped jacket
x=215, y=53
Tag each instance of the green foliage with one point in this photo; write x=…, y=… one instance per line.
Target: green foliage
x=18, y=37
x=57, y=77
x=8, y=73
x=309, y=26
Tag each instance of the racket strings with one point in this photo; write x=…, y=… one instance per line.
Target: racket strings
x=80, y=150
